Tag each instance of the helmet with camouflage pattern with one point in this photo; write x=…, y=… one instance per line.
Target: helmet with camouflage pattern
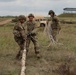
x=30, y=15
x=22, y=17
x=51, y=11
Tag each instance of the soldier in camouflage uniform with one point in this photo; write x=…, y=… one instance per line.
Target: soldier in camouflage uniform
x=55, y=26
x=31, y=34
x=19, y=32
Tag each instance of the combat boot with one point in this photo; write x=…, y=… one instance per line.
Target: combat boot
x=18, y=57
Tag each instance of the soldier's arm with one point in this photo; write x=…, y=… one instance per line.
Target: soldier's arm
x=20, y=30
x=58, y=23
x=36, y=28
x=15, y=29
x=25, y=26
x=23, y=34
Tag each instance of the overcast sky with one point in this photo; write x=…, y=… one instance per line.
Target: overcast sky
x=38, y=7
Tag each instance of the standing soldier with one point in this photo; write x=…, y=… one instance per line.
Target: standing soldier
x=31, y=34
x=19, y=34
x=53, y=25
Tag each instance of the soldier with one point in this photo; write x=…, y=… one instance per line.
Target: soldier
x=19, y=32
x=31, y=34
x=54, y=22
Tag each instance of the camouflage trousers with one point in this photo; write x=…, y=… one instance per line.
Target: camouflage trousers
x=54, y=34
x=21, y=44
x=34, y=40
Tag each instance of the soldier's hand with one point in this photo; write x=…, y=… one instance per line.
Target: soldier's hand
x=28, y=34
x=33, y=34
x=24, y=38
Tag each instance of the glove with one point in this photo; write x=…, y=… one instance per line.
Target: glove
x=29, y=34
x=33, y=34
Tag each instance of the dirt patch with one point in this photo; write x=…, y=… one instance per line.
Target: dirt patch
x=4, y=22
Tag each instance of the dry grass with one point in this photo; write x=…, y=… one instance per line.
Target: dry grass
x=52, y=58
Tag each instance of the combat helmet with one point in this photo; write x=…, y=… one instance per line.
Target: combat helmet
x=30, y=15
x=22, y=17
x=51, y=11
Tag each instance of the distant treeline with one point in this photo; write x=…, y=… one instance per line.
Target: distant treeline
x=8, y=16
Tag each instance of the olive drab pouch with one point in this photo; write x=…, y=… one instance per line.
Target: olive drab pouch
x=16, y=33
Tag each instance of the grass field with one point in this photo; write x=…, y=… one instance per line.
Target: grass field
x=53, y=59
x=67, y=15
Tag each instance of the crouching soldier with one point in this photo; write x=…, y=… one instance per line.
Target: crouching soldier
x=31, y=34
x=19, y=32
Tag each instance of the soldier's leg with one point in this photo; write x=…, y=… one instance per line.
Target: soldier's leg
x=54, y=34
x=27, y=43
x=36, y=46
x=19, y=55
x=21, y=45
x=18, y=42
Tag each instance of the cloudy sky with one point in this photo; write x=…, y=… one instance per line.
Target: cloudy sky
x=38, y=7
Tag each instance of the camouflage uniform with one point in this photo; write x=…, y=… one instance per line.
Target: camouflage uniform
x=19, y=36
x=31, y=36
x=55, y=25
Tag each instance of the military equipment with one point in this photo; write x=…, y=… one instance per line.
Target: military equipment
x=30, y=15
x=22, y=17
x=15, y=19
x=51, y=11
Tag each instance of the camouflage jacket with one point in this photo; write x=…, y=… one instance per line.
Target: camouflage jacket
x=31, y=27
x=55, y=24
x=19, y=30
